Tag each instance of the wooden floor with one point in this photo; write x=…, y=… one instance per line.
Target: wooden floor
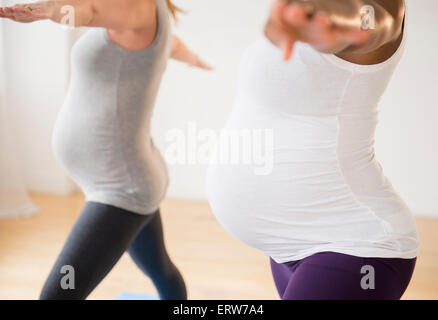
x=214, y=264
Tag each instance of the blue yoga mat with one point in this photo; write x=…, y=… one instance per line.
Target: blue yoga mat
x=135, y=296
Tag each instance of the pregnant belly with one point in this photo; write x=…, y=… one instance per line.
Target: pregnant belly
x=305, y=199
x=316, y=193
x=297, y=205
x=87, y=146
x=93, y=154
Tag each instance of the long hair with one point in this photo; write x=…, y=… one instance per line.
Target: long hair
x=173, y=9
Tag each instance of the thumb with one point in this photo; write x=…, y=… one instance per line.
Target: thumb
x=288, y=47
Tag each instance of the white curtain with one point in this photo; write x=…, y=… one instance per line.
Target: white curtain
x=14, y=200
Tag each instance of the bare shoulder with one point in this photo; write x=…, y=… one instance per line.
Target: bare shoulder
x=386, y=41
x=396, y=7
x=397, y=10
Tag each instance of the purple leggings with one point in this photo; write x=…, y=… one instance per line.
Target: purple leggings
x=336, y=276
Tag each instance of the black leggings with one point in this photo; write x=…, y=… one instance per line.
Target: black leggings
x=99, y=237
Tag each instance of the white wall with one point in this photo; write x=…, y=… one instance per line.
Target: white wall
x=406, y=147
x=220, y=30
x=407, y=136
x=36, y=70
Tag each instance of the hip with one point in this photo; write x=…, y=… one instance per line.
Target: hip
x=333, y=275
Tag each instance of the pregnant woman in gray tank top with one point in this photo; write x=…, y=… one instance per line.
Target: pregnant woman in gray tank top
x=102, y=138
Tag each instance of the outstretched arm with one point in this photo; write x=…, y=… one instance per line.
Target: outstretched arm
x=333, y=26
x=182, y=53
x=111, y=14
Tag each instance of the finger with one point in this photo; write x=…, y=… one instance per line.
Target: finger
x=295, y=15
x=26, y=14
x=18, y=15
x=278, y=7
x=201, y=64
x=205, y=66
x=8, y=11
x=288, y=48
x=21, y=10
x=2, y=13
x=9, y=17
x=277, y=10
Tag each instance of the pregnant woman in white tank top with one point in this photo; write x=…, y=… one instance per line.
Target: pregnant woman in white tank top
x=326, y=205
x=102, y=139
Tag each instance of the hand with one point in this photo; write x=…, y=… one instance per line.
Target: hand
x=294, y=21
x=26, y=13
x=198, y=63
x=182, y=53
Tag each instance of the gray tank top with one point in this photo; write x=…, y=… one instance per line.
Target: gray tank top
x=102, y=133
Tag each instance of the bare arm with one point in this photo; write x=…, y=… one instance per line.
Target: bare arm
x=334, y=26
x=111, y=14
x=119, y=15
x=182, y=53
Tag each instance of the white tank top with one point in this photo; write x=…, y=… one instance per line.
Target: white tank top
x=326, y=190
